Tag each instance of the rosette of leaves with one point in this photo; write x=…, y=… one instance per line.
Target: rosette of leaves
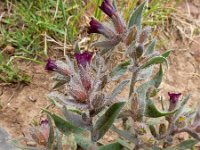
x=83, y=99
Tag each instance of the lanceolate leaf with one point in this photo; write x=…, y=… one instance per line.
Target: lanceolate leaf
x=82, y=141
x=188, y=144
x=106, y=120
x=150, y=48
x=166, y=54
x=155, y=60
x=119, y=89
x=120, y=70
x=136, y=17
x=75, y=119
x=125, y=134
x=64, y=126
x=142, y=90
x=51, y=134
x=112, y=146
x=153, y=112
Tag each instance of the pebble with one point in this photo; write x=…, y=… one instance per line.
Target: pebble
x=9, y=49
x=32, y=99
x=31, y=143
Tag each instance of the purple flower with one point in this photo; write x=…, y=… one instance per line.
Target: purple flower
x=107, y=8
x=95, y=27
x=51, y=65
x=174, y=97
x=44, y=129
x=83, y=58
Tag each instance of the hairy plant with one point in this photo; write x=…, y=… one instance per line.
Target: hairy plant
x=90, y=108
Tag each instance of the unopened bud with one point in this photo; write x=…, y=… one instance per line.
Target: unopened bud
x=181, y=122
x=145, y=34
x=140, y=128
x=139, y=50
x=153, y=130
x=162, y=129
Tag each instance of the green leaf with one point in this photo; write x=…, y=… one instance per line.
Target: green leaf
x=112, y=146
x=152, y=112
x=125, y=134
x=142, y=90
x=188, y=144
x=166, y=54
x=82, y=141
x=106, y=120
x=64, y=126
x=77, y=48
x=120, y=70
x=51, y=134
x=75, y=119
x=150, y=48
x=155, y=60
x=119, y=89
x=114, y=4
x=136, y=17
x=58, y=84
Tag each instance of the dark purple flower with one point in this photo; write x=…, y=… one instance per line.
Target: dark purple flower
x=44, y=122
x=44, y=129
x=95, y=27
x=174, y=97
x=51, y=65
x=107, y=8
x=83, y=58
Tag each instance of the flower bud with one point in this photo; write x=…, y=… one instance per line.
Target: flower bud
x=83, y=59
x=107, y=8
x=57, y=67
x=140, y=128
x=51, y=65
x=181, y=122
x=174, y=97
x=97, y=27
x=144, y=35
x=139, y=50
x=153, y=130
x=162, y=129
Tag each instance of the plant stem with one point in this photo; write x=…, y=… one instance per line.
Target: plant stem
x=133, y=82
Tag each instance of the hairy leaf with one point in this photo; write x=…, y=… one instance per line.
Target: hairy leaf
x=188, y=144
x=142, y=90
x=118, y=89
x=112, y=146
x=166, y=54
x=155, y=60
x=64, y=126
x=82, y=141
x=136, y=17
x=144, y=74
x=106, y=120
x=108, y=44
x=64, y=100
x=150, y=48
x=51, y=133
x=120, y=70
x=125, y=134
x=152, y=112
x=75, y=119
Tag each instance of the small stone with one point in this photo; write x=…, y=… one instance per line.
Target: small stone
x=181, y=137
x=32, y=99
x=9, y=49
x=31, y=143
